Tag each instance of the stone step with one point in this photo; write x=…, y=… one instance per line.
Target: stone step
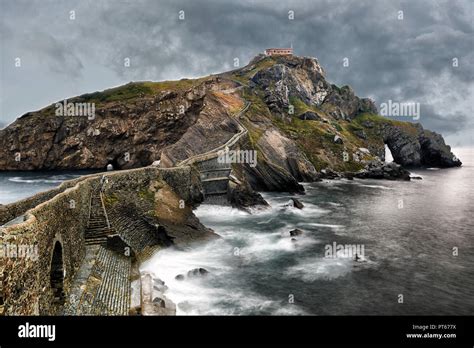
x=98, y=229
x=113, y=294
x=102, y=286
x=222, y=178
x=216, y=193
x=99, y=241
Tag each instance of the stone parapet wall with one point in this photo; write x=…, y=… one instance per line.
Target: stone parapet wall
x=26, y=278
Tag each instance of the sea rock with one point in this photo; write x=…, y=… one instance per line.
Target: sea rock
x=383, y=170
x=296, y=203
x=197, y=272
x=296, y=232
x=159, y=285
x=418, y=147
x=328, y=173
x=159, y=301
x=179, y=277
x=243, y=197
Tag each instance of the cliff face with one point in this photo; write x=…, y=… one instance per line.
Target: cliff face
x=132, y=124
x=298, y=123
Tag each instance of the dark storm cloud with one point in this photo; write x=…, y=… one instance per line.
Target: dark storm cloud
x=401, y=60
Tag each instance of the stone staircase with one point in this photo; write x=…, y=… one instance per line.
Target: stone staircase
x=97, y=228
x=214, y=176
x=102, y=284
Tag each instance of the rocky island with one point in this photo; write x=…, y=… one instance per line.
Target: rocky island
x=165, y=138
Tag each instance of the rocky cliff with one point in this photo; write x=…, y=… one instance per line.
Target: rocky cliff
x=300, y=125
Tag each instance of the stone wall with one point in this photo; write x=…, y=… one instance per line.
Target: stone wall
x=26, y=278
x=10, y=211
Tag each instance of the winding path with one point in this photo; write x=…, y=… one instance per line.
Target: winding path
x=214, y=175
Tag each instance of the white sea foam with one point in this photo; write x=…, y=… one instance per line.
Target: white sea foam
x=210, y=295
x=374, y=186
x=311, y=269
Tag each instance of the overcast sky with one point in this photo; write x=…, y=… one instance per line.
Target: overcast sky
x=405, y=60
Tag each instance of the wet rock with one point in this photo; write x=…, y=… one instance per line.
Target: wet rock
x=328, y=173
x=159, y=301
x=159, y=285
x=293, y=240
x=294, y=203
x=296, y=232
x=179, y=277
x=297, y=204
x=348, y=175
x=243, y=197
x=382, y=170
x=197, y=272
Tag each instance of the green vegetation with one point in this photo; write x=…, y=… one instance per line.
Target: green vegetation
x=408, y=127
x=147, y=195
x=337, y=126
x=253, y=132
x=258, y=108
x=301, y=107
x=377, y=119
x=135, y=90
x=110, y=199
x=176, y=85
x=129, y=91
x=260, y=65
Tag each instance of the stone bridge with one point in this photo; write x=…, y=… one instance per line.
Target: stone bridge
x=72, y=254
x=62, y=251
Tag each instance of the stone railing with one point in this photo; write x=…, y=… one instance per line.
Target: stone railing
x=11, y=211
x=26, y=275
